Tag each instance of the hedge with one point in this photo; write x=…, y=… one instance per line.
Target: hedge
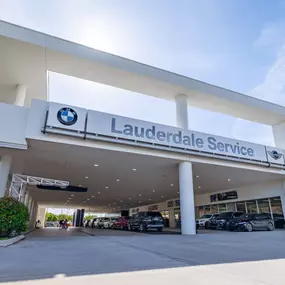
x=14, y=217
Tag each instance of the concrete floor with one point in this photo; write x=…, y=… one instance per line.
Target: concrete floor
x=56, y=256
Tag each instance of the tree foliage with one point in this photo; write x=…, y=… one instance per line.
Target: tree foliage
x=50, y=217
x=89, y=217
x=14, y=217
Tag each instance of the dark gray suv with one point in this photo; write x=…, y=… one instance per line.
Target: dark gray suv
x=143, y=221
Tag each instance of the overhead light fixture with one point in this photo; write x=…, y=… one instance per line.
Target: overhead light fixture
x=113, y=208
x=153, y=190
x=92, y=196
x=197, y=176
x=72, y=195
x=130, y=198
x=149, y=199
x=171, y=185
x=96, y=165
x=99, y=192
x=86, y=177
x=161, y=196
x=106, y=187
x=178, y=192
x=87, y=199
x=80, y=185
x=114, y=203
x=121, y=201
x=140, y=195
x=134, y=169
x=229, y=179
x=118, y=180
x=199, y=187
x=109, y=205
x=140, y=201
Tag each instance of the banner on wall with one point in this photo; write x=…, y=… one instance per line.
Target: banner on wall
x=88, y=124
x=230, y=195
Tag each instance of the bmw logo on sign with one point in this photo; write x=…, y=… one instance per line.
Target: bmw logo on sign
x=67, y=116
x=275, y=154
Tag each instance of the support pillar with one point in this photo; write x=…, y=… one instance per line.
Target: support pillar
x=5, y=164
x=41, y=215
x=21, y=91
x=181, y=111
x=172, y=223
x=187, y=204
x=27, y=198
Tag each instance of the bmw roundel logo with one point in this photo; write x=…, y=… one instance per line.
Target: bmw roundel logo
x=67, y=116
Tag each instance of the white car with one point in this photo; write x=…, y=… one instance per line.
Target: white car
x=108, y=224
x=204, y=220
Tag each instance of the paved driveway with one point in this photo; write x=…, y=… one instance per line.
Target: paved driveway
x=133, y=258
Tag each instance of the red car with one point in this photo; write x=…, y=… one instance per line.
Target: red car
x=121, y=223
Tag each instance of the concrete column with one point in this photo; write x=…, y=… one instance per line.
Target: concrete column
x=181, y=111
x=172, y=223
x=187, y=205
x=41, y=215
x=27, y=198
x=5, y=164
x=21, y=91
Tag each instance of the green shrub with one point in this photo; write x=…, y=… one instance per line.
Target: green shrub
x=14, y=217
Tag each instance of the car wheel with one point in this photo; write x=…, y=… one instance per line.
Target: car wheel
x=142, y=228
x=270, y=227
x=249, y=227
x=207, y=225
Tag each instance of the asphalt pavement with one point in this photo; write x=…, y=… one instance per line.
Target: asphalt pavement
x=54, y=256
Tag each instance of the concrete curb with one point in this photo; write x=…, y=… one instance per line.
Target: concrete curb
x=10, y=241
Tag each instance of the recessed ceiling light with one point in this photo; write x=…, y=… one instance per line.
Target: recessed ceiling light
x=118, y=180
x=149, y=199
x=72, y=195
x=106, y=187
x=114, y=203
x=134, y=169
x=153, y=190
x=92, y=196
x=96, y=165
x=171, y=185
x=80, y=185
x=86, y=177
x=197, y=176
x=199, y=187
x=130, y=198
x=84, y=202
x=161, y=196
x=69, y=198
x=109, y=205
x=99, y=192
x=87, y=199
x=229, y=179
x=113, y=208
x=178, y=192
x=140, y=201
x=131, y=204
x=140, y=195
x=121, y=201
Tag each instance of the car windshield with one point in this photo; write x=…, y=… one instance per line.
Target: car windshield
x=247, y=216
x=154, y=214
x=206, y=216
x=225, y=215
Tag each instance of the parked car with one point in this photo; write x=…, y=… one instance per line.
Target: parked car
x=87, y=223
x=101, y=222
x=108, y=224
x=143, y=221
x=223, y=220
x=50, y=225
x=252, y=222
x=204, y=221
x=121, y=223
x=92, y=222
x=279, y=222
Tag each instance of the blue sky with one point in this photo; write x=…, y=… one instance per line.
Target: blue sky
x=234, y=44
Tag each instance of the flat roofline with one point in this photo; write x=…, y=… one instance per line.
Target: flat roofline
x=142, y=78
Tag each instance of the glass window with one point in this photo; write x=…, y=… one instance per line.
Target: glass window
x=276, y=206
x=222, y=208
x=201, y=211
x=263, y=205
x=251, y=207
x=207, y=210
x=214, y=209
x=230, y=207
x=241, y=206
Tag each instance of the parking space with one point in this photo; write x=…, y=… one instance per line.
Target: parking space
x=223, y=256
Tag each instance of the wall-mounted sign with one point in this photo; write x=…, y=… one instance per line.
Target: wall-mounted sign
x=153, y=208
x=224, y=196
x=170, y=204
x=102, y=126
